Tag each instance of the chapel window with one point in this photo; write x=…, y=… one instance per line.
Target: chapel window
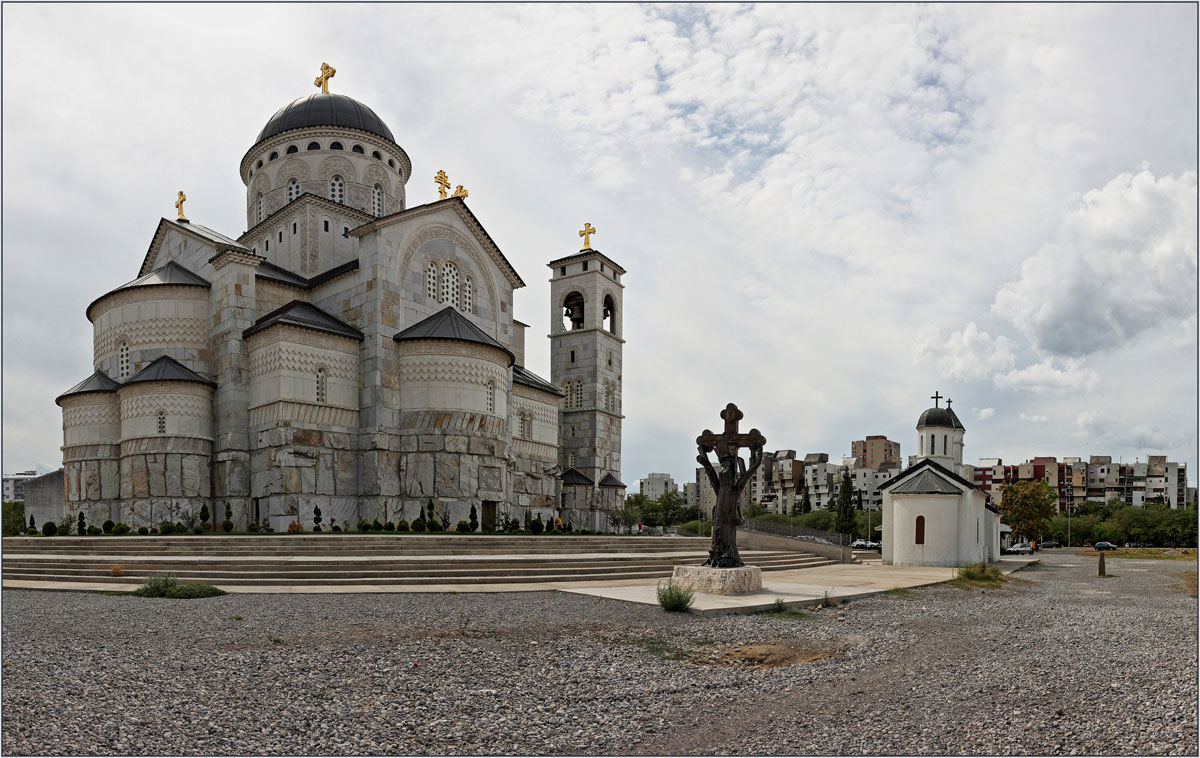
x=450, y=284
x=335, y=145
x=273, y=156
x=945, y=447
x=468, y=294
x=375, y=154
x=377, y=200
x=337, y=189
x=326, y=224
x=292, y=149
x=357, y=149
x=293, y=227
x=258, y=165
x=314, y=145
x=933, y=444
x=162, y=422
x=293, y=190
x=610, y=314
x=266, y=244
x=527, y=425
x=491, y=396
x=123, y=360
x=431, y=288
x=258, y=202
x=322, y=387
x=281, y=235
x=920, y=530
x=391, y=163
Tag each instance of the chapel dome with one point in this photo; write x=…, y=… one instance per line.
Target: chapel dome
x=939, y=417
x=325, y=109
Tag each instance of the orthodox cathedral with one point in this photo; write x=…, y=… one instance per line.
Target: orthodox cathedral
x=347, y=352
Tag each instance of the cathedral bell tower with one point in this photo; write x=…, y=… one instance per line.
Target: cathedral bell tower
x=585, y=360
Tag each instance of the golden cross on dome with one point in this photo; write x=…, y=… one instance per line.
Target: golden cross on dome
x=179, y=205
x=460, y=192
x=586, y=233
x=322, y=81
x=443, y=183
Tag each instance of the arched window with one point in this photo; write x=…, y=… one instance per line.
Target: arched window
x=920, y=530
x=162, y=421
x=450, y=284
x=337, y=189
x=431, y=288
x=377, y=200
x=527, y=425
x=266, y=244
x=610, y=314
x=468, y=294
x=258, y=165
x=293, y=190
x=335, y=145
x=610, y=402
x=491, y=396
x=391, y=163
x=573, y=311
x=375, y=154
x=322, y=387
x=921, y=444
x=314, y=145
x=272, y=156
x=123, y=360
x=292, y=149
x=259, y=205
x=945, y=446
x=933, y=444
x=356, y=149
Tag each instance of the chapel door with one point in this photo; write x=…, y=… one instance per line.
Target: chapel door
x=489, y=515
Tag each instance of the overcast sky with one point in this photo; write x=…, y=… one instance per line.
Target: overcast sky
x=827, y=212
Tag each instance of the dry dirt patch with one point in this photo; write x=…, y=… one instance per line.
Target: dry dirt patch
x=771, y=654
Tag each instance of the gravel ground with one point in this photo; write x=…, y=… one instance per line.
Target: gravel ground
x=1058, y=661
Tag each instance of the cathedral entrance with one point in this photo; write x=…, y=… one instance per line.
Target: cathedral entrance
x=489, y=515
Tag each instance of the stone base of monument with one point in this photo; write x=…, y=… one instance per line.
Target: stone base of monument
x=718, y=581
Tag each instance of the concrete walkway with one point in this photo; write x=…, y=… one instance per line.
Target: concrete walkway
x=796, y=588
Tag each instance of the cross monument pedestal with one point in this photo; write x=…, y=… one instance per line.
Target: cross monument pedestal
x=718, y=581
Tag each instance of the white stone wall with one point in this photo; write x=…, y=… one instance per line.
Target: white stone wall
x=155, y=321
x=93, y=418
x=955, y=529
x=284, y=361
x=187, y=407
x=443, y=375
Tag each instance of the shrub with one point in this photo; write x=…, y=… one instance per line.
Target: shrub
x=82, y=528
x=474, y=519
x=108, y=526
x=363, y=525
x=295, y=527
x=337, y=528
x=536, y=526
x=32, y=531
x=154, y=530
x=49, y=528
x=389, y=527
x=674, y=598
x=317, y=528
x=418, y=525
x=227, y=525
x=119, y=529
x=376, y=525
x=143, y=530
x=401, y=526
x=434, y=525
x=156, y=585
x=31, y=524
x=116, y=571
x=228, y=511
x=193, y=590
x=204, y=514
x=197, y=529
x=166, y=527
x=94, y=530
x=463, y=526
x=513, y=526
x=980, y=572
x=316, y=518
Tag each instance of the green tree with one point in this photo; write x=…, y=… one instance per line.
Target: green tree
x=844, y=518
x=821, y=519
x=805, y=505
x=474, y=519
x=14, y=518
x=1027, y=506
x=754, y=510
x=627, y=516
x=670, y=509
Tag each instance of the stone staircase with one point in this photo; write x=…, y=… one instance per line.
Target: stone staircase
x=330, y=561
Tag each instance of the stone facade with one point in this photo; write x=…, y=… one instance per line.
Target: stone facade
x=283, y=388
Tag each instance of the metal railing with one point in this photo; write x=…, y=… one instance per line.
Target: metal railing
x=799, y=532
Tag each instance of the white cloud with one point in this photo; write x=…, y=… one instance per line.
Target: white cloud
x=983, y=414
x=1034, y=419
x=1122, y=262
x=969, y=354
x=1046, y=377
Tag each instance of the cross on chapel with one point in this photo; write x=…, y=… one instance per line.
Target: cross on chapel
x=179, y=205
x=322, y=81
x=443, y=183
x=586, y=233
x=728, y=442
x=935, y=397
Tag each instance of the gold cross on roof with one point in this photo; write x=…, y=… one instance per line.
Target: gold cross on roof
x=179, y=205
x=322, y=81
x=586, y=233
x=443, y=183
x=460, y=192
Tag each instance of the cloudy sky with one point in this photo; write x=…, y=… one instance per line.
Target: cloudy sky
x=827, y=212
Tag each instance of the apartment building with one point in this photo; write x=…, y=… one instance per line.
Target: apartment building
x=691, y=495
x=875, y=450
x=655, y=485
x=1098, y=479
x=14, y=486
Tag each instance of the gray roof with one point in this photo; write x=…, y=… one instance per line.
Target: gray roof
x=168, y=274
x=939, y=417
x=449, y=324
x=817, y=458
x=325, y=109
x=97, y=382
x=306, y=316
x=610, y=481
x=571, y=476
x=922, y=464
x=268, y=270
x=522, y=375
x=167, y=369
x=214, y=236
x=588, y=253
x=926, y=483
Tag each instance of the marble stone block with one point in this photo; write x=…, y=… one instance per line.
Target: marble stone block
x=417, y=475
x=138, y=477
x=718, y=581
x=490, y=478
x=456, y=443
x=110, y=480
x=174, y=478
x=446, y=468
x=346, y=475
x=325, y=474
x=156, y=470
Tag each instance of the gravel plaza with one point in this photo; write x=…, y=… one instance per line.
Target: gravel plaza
x=1058, y=661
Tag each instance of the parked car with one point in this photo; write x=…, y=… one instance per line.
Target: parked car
x=862, y=544
x=1104, y=546
x=1049, y=543
x=1021, y=548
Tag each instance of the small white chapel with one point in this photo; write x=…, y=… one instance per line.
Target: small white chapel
x=933, y=516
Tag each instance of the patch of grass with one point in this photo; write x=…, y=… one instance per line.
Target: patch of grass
x=235, y=618
x=276, y=640
x=1030, y=565
x=1187, y=583
x=166, y=585
x=899, y=592
x=978, y=576
x=1147, y=553
x=661, y=647
x=674, y=598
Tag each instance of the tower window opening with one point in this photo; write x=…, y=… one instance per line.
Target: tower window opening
x=266, y=244
x=610, y=315
x=322, y=387
x=281, y=235
x=572, y=356
x=273, y=156
x=562, y=270
x=326, y=224
x=258, y=165
x=293, y=190
x=491, y=396
x=391, y=163
x=468, y=294
x=375, y=154
x=431, y=288
x=314, y=145
x=162, y=422
x=335, y=145
x=357, y=149
x=337, y=189
x=945, y=446
x=573, y=307
x=293, y=227
x=585, y=263
x=123, y=360
x=450, y=283
x=292, y=149
x=258, y=204
x=377, y=200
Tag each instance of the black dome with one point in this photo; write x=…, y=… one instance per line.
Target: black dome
x=939, y=417
x=325, y=110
